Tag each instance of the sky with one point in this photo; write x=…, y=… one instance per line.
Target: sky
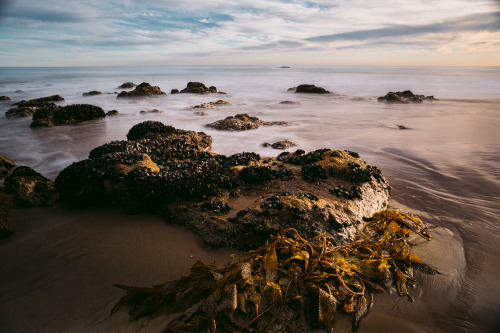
x=257, y=32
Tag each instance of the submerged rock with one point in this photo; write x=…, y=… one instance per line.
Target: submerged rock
x=6, y=164
x=30, y=188
x=210, y=105
x=144, y=89
x=283, y=144
x=4, y=98
x=152, y=111
x=236, y=200
x=404, y=97
x=54, y=115
x=112, y=113
x=127, y=85
x=40, y=101
x=198, y=88
x=21, y=112
x=242, y=122
x=289, y=102
x=92, y=93
x=311, y=89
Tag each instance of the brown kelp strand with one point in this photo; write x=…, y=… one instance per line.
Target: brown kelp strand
x=290, y=284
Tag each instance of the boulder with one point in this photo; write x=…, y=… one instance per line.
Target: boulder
x=112, y=113
x=40, y=101
x=4, y=98
x=92, y=93
x=127, y=85
x=6, y=164
x=236, y=200
x=29, y=187
x=283, y=144
x=53, y=115
x=152, y=111
x=29, y=108
x=311, y=89
x=21, y=112
x=210, y=105
x=404, y=97
x=144, y=89
x=174, y=91
x=242, y=122
x=198, y=88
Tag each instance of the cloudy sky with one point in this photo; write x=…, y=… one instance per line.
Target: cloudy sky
x=201, y=32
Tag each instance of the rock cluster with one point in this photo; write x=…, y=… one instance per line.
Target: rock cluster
x=127, y=85
x=54, y=115
x=198, y=88
x=236, y=200
x=144, y=89
x=404, y=97
x=311, y=89
x=28, y=108
x=210, y=105
x=29, y=188
x=92, y=93
x=242, y=122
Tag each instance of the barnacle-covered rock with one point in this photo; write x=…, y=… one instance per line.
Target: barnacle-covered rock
x=53, y=115
x=242, y=122
x=404, y=97
x=144, y=89
x=30, y=188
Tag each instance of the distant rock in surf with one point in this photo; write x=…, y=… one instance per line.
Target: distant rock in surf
x=29, y=188
x=127, y=85
x=311, y=89
x=92, y=93
x=6, y=164
x=283, y=144
x=289, y=102
x=404, y=97
x=39, y=101
x=54, y=115
x=4, y=98
x=152, y=111
x=112, y=113
x=210, y=105
x=242, y=122
x=198, y=88
x=144, y=89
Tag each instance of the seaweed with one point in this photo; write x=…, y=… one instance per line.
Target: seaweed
x=289, y=284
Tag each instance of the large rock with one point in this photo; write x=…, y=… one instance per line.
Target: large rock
x=144, y=89
x=242, y=122
x=311, y=89
x=6, y=164
x=53, y=115
x=236, y=200
x=30, y=188
x=198, y=88
x=39, y=101
x=404, y=97
x=21, y=112
x=29, y=108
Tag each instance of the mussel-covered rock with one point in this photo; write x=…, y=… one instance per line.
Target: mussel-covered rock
x=30, y=188
x=311, y=89
x=144, y=89
x=242, y=122
x=404, y=97
x=54, y=115
x=236, y=200
x=6, y=164
x=210, y=105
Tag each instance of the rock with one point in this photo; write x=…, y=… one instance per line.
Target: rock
x=242, y=122
x=404, y=97
x=112, y=113
x=4, y=98
x=92, y=93
x=20, y=112
x=284, y=144
x=289, y=102
x=152, y=111
x=311, y=89
x=210, y=105
x=6, y=164
x=198, y=88
x=29, y=187
x=5, y=232
x=127, y=85
x=236, y=200
x=144, y=89
x=174, y=91
x=53, y=115
x=40, y=101
x=403, y=127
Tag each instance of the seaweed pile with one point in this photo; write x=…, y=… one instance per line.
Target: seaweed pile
x=289, y=284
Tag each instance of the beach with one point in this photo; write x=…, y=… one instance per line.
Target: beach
x=59, y=266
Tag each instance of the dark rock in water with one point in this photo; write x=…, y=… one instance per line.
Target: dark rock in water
x=21, y=112
x=283, y=144
x=152, y=111
x=311, y=89
x=404, y=97
x=53, y=115
x=6, y=164
x=127, y=85
x=92, y=93
x=174, y=91
x=112, y=113
x=144, y=89
x=40, y=101
x=4, y=98
x=236, y=200
x=5, y=232
x=29, y=187
x=210, y=105
x=402, y=127
x=198, y=88
x=289, y=102
x=242, y=122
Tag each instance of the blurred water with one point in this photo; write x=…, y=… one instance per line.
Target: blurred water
x=445, y=167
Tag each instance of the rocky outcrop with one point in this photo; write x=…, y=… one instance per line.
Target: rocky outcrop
x=174, y=91
x=144, y=89
x=236, y=200
x=54, y=115
x=242, y=122
x=198, y=88
x=311, y=89
x=152, y=111
x=127, y=85
x=40, y=101
x=4, y=98
x=21, y=112
x=6, y=164
x=283, y=144
x=404, y=97
x=210, y=105
x=28, y=108
x=30, y=188
x=112, y=113
x=92, y=93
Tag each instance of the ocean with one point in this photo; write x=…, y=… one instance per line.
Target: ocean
x=444, y=167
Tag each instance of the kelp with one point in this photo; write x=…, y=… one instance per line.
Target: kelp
x=290, y=284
